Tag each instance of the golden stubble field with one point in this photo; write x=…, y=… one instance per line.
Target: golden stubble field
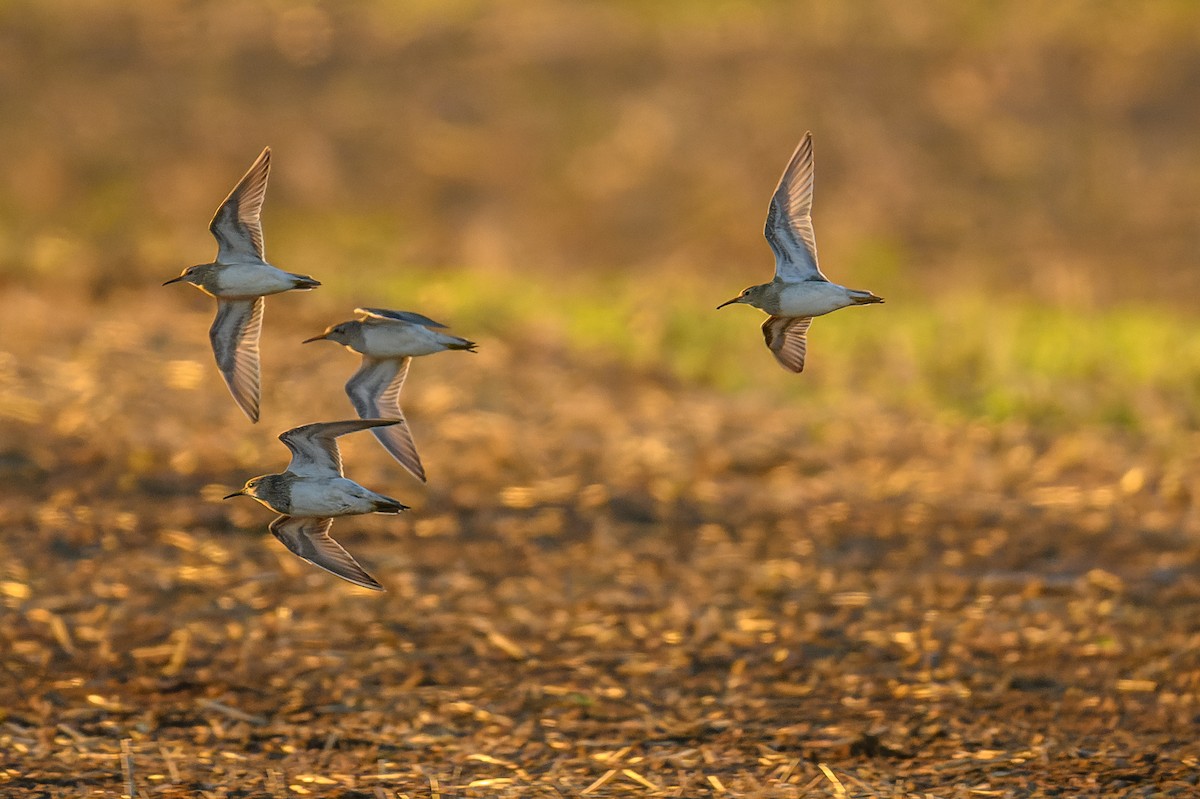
x=957, y=557
x=616, y=583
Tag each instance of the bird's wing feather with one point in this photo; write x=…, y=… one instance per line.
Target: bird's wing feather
x=314, y=446
x=234, y=335
x=310, y=539
x=399, y=316
x=787, y=338
x=789, y=228
x=237, y=224
x=374, y=390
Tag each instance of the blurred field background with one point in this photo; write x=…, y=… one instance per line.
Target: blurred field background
x=958, y=554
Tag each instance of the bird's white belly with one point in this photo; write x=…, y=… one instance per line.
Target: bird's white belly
x=329, y=497
x=399, y=341
x=252, y=280
x=812, y=298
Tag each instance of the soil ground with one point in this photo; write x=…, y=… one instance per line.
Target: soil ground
x=957, y=557
x=615, y=584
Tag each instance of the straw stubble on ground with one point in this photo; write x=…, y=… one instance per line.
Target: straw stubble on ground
x=615, y=584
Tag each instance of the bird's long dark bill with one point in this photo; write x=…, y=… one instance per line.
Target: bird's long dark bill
x=315, y=338
x=234, y=494
x=730, y=302
x=174, y=280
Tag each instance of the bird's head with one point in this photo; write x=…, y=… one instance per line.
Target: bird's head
x=193, y=274
x=344, y=333
x=250, y=489
x=749, y=296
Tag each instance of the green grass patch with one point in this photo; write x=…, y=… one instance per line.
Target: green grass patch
x=970, y=356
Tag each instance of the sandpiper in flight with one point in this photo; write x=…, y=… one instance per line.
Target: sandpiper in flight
x=239, y=279
x=799, y=291
x=388, y=341
x=313, y=490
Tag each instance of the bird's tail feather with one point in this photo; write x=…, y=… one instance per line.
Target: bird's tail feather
x=861, y=297
x=388, y=505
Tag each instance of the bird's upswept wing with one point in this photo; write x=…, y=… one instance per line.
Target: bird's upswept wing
x=237, y=225
x=309, y=538
x=398, y=316
x=374, y=390
x=314, y=446
x=787, y=338
x=234, y=335
x=789, y=228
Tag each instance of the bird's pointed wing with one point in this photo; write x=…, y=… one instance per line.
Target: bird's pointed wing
x=237, y=225
x=314, y=446
x=789, y=228
x=787, y=338
x=309, y=538
x=399, y=316
x=374, y=390
x=234, y=335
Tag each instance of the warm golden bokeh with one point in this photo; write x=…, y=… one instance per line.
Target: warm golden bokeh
x=957, y=556
x=1039, y=151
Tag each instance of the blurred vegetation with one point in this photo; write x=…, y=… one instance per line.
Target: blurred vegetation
x=1011, y=177
x=960, y=549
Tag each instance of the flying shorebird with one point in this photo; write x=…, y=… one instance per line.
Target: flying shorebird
x=239, y=279
x=388, y=341
x=799, y=291
x=313, y=490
